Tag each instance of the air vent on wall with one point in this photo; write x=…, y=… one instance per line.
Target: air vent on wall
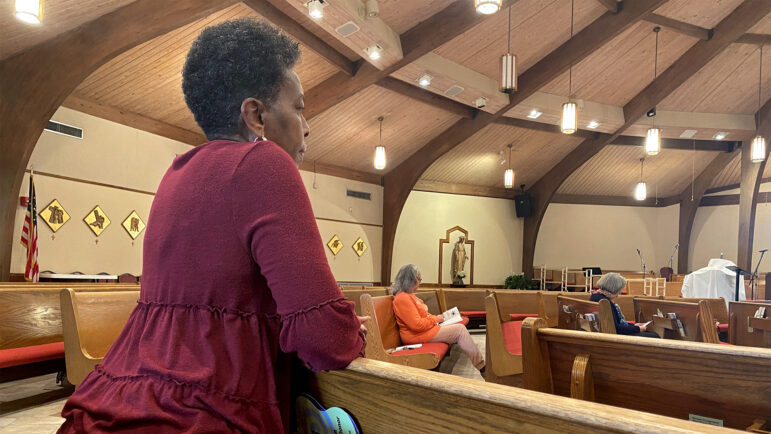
x=347, y=29
x=358, y=194
x=453, y=91
x=67, y=130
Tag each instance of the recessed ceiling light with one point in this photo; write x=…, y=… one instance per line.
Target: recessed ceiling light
x=720, y=136
x=593, y=125
x=687, y=134
x=315, y=8
x=425, y=80
x=534, y=114
x=374, y=52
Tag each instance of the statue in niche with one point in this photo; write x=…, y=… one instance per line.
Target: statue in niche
x=459, y=261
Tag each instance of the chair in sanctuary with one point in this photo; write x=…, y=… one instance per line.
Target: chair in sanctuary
x=383, y=336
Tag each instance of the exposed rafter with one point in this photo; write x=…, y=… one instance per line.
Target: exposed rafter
x=416, y=42
x=613, y=5
x=399, y=182
x=755, y=39
x=685, y=144
x=427, y=97
x=302, y=35
x=728, y=31
x=680, y=26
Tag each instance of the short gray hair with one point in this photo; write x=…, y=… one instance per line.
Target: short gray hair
x=406, y=278
x=612, y=283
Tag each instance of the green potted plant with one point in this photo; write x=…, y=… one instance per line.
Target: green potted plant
x=519, y=281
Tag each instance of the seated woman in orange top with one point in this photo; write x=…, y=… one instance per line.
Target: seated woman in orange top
x=417, y=326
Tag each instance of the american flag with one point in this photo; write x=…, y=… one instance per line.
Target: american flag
x=29, y=235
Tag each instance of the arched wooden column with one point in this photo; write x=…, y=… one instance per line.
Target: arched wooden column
x=35, y=82
x=688, y=206
x=752, y=173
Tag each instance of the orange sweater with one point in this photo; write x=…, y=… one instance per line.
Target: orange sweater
x=416, y=325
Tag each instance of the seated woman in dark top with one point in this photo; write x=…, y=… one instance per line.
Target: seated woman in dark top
x=610, y=286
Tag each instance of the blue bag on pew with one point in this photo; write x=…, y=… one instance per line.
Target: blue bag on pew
x=312, y=418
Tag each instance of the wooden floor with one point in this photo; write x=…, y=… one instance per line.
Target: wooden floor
x=45, y=419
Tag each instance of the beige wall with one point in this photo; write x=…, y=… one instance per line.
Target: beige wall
x=606, y=236
x=491, y=223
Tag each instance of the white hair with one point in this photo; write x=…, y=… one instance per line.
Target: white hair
x=406, y=279
x=612, y=283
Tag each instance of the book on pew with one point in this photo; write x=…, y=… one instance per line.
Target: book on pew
x=403, y=347
x=452, y=316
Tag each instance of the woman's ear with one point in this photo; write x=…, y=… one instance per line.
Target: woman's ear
x=253, y=117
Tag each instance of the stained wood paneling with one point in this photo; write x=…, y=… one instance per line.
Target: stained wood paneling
x=58, y=17
x=731, y=174
x=347, y=134
x=147, y=80
x=537, y=27
x=763, y=27
x=702, y=13
x=476, y=161
x=403, y=15
x=615, y=171
x=727, y=84
x=621, y=69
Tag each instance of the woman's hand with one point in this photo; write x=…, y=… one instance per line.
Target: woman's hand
x=438, y=318
x=362, y=320
x=643, y=327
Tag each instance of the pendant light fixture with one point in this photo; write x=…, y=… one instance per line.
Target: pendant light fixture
x=641, y=191
x=315, y=9
x=570, y=109
x=509, y=66
x=508, y=176
x=653, y=139
x=488, y=7
x=380, y=153
x=29, y=11
x=759, y=142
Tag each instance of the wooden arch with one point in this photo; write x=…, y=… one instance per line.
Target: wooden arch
x=446, y=240
x=35, y=82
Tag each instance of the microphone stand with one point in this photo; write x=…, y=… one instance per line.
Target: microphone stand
x=672, y=258
x=754, y=276
x=642, y=263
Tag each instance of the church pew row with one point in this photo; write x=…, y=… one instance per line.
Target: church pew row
x=727, y=384
x=573, y=315
x=746, y=328
x=354, y=295
x=692, y=321
x=31, y=341
x=91, y=322
x=383, y=397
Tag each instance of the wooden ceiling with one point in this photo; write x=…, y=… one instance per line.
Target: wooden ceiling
x=146, y=82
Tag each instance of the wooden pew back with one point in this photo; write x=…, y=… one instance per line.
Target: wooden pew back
x=695, y=318
x=747, y=330
x=572, y=312
x=715, y=381
x=511, y=301
x=550, y=306
x=397, y=399
x=431, y=299
x=464, y=299
x=354, y=295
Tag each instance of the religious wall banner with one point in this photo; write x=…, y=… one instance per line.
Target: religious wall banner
x=359, y=247
x=97, y=220
x=54, y=215
x=133, y=225
x=335, y=245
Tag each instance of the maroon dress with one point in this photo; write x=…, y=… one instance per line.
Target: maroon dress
x=234, y=279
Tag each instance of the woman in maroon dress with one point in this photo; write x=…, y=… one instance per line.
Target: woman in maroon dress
x=234, y=277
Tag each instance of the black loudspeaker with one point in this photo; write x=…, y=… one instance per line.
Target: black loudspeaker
x=524, y=205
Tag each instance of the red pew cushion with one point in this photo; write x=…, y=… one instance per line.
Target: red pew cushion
x=522, y=316
x=438, y=348
x=512, y=336
x=722, y=327
x=35, y=353
x=474, y=313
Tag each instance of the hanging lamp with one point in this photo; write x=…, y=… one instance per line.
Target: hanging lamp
x=641, y=191
x=29, y=11
x=508, y=176
x=759, y=142
x=380, y=152
x=653, y=139
x=488, y=7
x=509, y=66
x=570, y=109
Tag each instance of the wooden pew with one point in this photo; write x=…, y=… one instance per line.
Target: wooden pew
x=572, y=312
x=383, y=334
x=746, y=329
x=397, y=399
x=505, y=311
x=548, y=300
x=432, y=301
x=31, y=340
x=91, y=322
x=697, y=322
x=669, y=378
x=470, y=302
x=354, y=295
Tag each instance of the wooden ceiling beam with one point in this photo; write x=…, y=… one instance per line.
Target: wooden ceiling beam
x=613, y=6
x=341, y=172
x=680, y=27
x=303, y=35
x=420, y=40
x=134, y=120
x=464, y=189
x=583, y=199
x=427, y=97
x=755, y=39
x=399, y=181
x=746, y=15
x=684, y=144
